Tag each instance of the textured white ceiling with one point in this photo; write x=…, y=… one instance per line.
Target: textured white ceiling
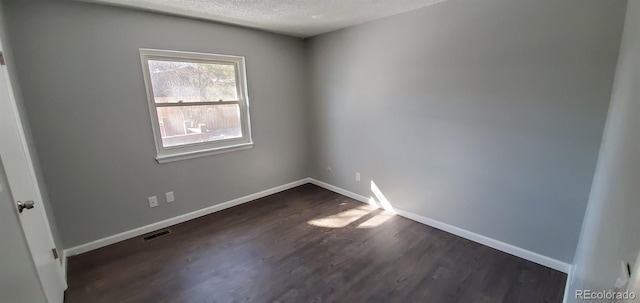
x=299, y=18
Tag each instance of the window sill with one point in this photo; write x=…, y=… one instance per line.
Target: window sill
x=201, y=153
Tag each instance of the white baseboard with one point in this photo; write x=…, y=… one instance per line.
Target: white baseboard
x=176, y=220
x=499, y=245
x=339, y=190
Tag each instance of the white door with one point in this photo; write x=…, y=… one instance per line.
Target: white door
x=19, y=281
x=24, y=188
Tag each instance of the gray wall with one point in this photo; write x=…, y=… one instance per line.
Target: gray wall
x=81, y=78
x=17, y=91
x=611, y=227
x=486, y=115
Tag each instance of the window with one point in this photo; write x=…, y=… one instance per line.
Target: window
x=198, y=103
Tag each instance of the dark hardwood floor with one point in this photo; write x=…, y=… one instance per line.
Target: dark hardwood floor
x=307, y=244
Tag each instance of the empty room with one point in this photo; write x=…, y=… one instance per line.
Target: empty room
x=319, y=151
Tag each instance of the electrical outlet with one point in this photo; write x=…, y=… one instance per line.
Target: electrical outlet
x=170, y=197
x=153, y=201
x=358, y=177
x=328, y=169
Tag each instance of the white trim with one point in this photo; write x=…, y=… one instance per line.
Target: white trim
x=193, y=150
x=31, y=171
x=202, y=153
x=499, y=245
x=339, y=190
x=178, y=219
x=567, y=285
x=63, y=257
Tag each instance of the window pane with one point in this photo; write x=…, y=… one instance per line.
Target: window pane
x=174, y=82
x=180, y=125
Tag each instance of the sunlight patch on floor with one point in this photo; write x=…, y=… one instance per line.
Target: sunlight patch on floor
x=377, y=220
x=342, y=219
x=350, y=216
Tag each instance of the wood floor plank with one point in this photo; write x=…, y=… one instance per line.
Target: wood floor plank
x=306, y=244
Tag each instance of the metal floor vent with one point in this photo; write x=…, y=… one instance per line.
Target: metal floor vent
x=156, y=235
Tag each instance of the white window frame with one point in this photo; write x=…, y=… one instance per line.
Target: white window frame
x=187, y=151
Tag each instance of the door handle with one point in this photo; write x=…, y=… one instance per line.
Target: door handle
x=27, y=204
